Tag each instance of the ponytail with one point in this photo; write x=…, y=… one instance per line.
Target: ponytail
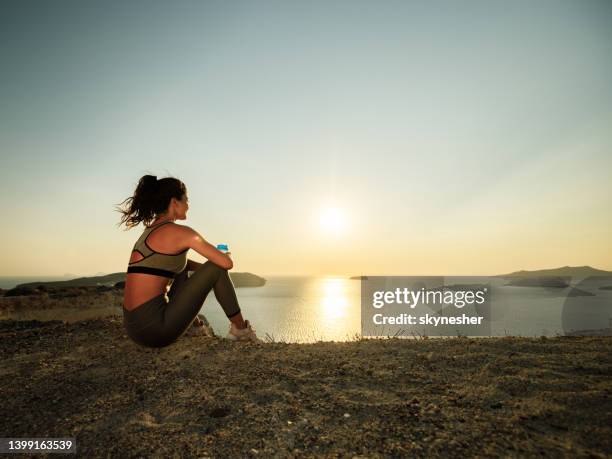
x=151, y=198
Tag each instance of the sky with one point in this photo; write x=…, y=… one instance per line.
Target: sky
x=451, y=138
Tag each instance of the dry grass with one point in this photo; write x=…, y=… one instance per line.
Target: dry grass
x=422, y=397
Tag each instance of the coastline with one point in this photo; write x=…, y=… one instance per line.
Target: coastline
x=213, y=398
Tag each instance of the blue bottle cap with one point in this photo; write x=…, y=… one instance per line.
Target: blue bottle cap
x=222, y=247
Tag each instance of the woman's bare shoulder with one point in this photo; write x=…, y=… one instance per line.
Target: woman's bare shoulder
x=178, y=225
x=175, y=231
x=183, y=230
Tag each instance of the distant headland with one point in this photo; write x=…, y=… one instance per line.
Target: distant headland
x=557, y=278
x=565, y=271
x=115, y=280
x=551, y=278
x=580, y=272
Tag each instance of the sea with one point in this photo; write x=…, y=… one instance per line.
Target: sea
x=309, y=309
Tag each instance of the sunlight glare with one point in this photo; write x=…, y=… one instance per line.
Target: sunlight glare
x=332, y=220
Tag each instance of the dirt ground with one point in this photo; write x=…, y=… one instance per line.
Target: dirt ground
x=208, y=397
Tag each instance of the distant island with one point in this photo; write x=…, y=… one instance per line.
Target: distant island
x=556, y=278
x=114, y=280
x=544, y=281
x=564, y=272
x=239, y=280
x=559, y=275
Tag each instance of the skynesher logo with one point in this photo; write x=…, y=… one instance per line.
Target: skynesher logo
x=458, y=298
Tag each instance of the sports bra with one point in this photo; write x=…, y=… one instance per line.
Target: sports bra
x=157, y=263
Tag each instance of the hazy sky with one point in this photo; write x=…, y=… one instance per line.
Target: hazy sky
x=454, y=137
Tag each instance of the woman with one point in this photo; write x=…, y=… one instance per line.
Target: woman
x=160, y=255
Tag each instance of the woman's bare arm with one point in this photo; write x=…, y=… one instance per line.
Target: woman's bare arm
x=195, y=241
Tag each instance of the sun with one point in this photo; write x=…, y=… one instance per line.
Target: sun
x=332, y=220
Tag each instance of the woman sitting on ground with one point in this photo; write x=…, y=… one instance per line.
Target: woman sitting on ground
x=160, y=254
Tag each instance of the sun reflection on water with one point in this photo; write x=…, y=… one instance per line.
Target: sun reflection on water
x=334, y=301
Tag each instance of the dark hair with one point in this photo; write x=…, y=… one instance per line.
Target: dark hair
x=151, y=198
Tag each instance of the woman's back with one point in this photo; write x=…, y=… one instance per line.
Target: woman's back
x=158, y=255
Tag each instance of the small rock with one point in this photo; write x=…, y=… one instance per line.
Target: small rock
x=346, y=415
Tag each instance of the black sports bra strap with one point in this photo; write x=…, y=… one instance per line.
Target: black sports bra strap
x=155, y=251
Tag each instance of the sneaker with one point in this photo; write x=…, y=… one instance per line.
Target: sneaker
x=244, y=334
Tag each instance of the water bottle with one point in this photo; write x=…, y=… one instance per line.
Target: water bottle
x=223, y=248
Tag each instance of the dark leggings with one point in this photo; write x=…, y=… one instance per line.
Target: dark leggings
x=159, y=321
